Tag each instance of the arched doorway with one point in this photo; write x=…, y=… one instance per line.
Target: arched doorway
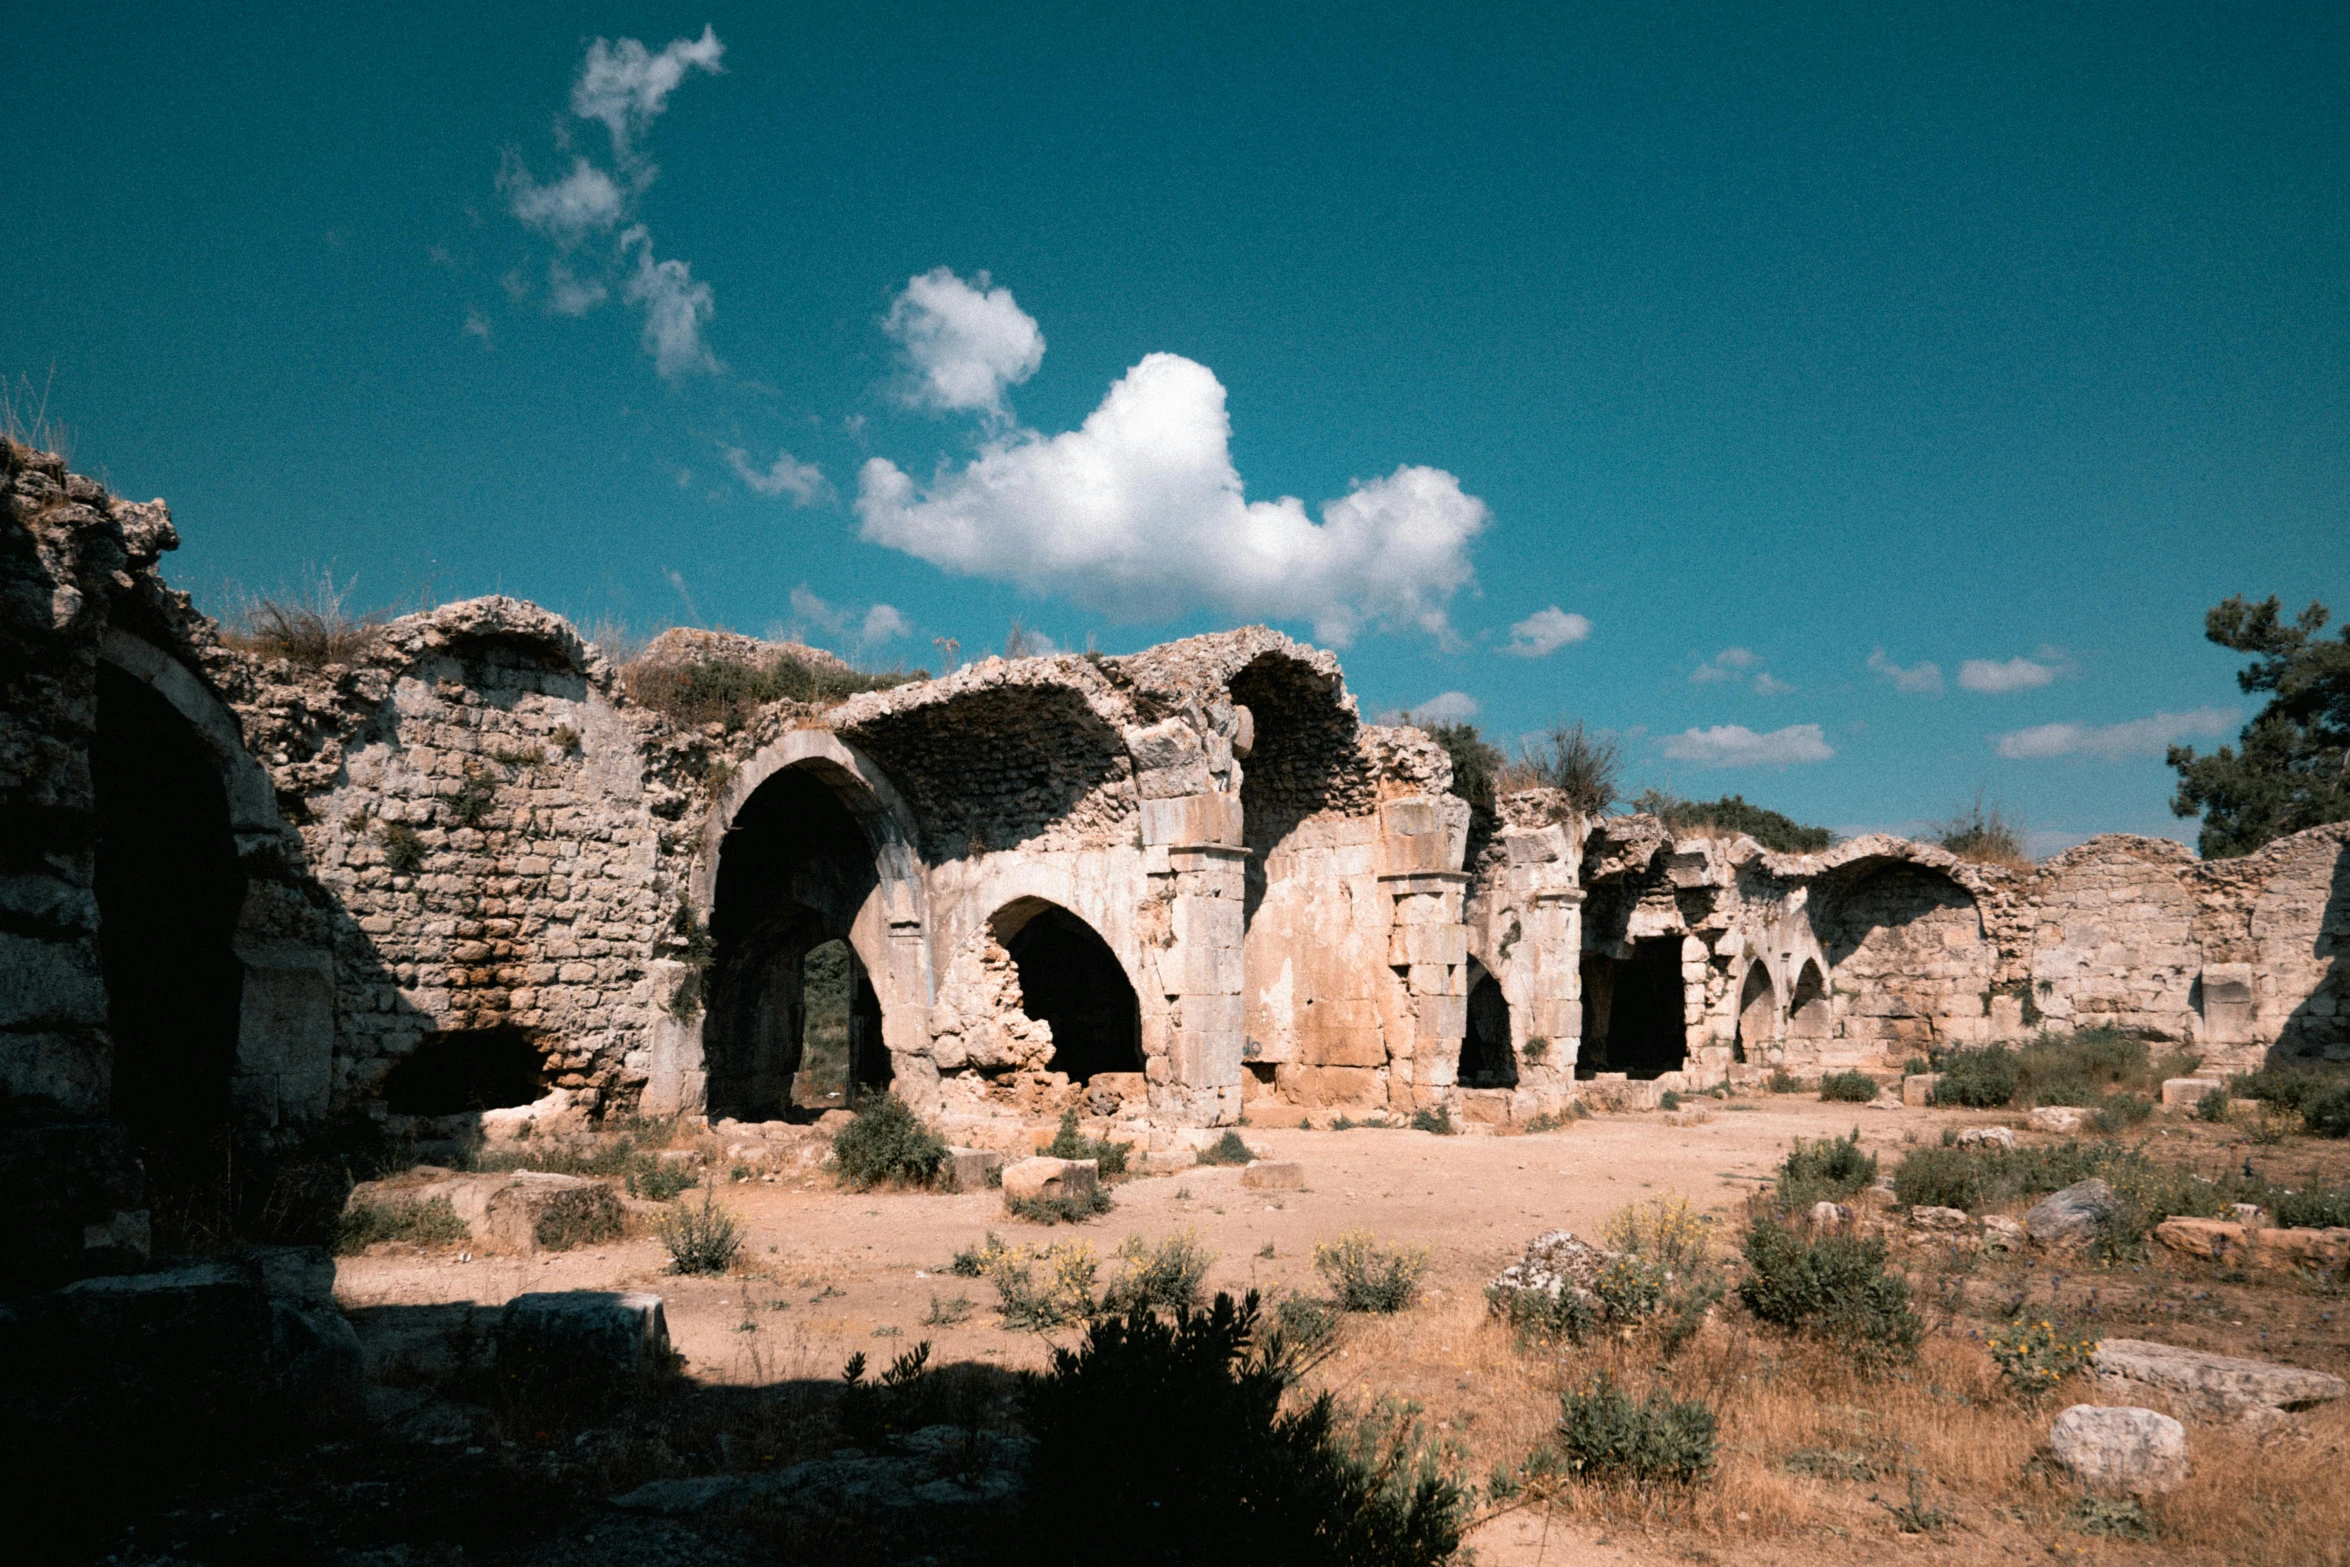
x=169, y=891
x=1487, y=1061
x=1070, y=979
x=794, y=869
x=1807, y=1006
x=1758, y=1013
x=1633, y=1015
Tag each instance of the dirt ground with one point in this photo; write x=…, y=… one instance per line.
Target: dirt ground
x=828, y=1274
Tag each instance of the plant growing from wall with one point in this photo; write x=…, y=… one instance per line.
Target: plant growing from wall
x=403, y=849
x=475, y=798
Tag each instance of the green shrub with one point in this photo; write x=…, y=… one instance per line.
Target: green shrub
x=1604, y=1435
x=475, y=798
x=403, y=849
x=1367, y=1275
x=1229, y=1149
x=1038, y=1290
x=1163, y=1276
x=1059, y=1210
x=2290, y=1087
x=658, y=1182
x=1068, y=1143
x=2318, y=1210
x=2328, y=1115
x=2213, y=1106
x=2084, y=1068
x=1537, y=1316
x=2114, y=1519
x=430, y=1223
x=1834, y=1287
x=2122, y=1110
x=730, y=691
x=887, y=1142
x=1824, y=1171
x=1307, y=1323
x=1981, y=1079
x=700, y=1240
x=579, y=1217
x=2149, y=1192
x=1782, y=1081
x=1437, y=1120
x=1939, y=1178
x=1849, y=1087
x=2034, y=1356
x=1165, y=1437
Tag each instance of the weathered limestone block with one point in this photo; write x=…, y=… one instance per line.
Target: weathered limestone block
x=1917, y=1088
x=2212, y=1387
x=2135, y=1451
x=967, y=1169
x=1042, y=1180
x=2242, y=1244
x=2229, y=1003
x=1986, y=1137
x=2056, y=1118
x=599, y=1335
x=1273, y=1175
x=501, y=1209
x=2189, y=1091
x=2073, y=1218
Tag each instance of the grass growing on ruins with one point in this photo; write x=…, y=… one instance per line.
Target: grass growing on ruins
x=1366, y=1274
x=583, y=1216
x=730, y=691
x=431, y=1223
x=310, y=626
x=1069, y=1143
x=403, y=849
x=1437, y=1120
x=1986, y=832
x=887, y=1144
x=1059, y=1210
x=629, y=1153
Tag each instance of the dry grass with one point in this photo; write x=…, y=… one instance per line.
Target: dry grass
x=310, y=625
x=1975, y=1451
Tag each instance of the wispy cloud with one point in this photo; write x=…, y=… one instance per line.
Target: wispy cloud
x=477, y=325
x=627, y=86
x=883, y=624
x=675, y=307
x=1742, y=666
x=1923, y=678
x=804, y=482
x=1140, y=513
x=1446, y=707
x=878, y=624
x=1735, y=745
x=1767, y=684
x=2015, y=674
x=2115, y=742
x=584, y=202
x=1545, y=632
x=967, y=342
x=571, y=296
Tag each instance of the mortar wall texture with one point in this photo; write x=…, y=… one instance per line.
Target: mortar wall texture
x=470, y=827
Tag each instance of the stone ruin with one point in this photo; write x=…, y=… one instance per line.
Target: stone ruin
x=467, y=869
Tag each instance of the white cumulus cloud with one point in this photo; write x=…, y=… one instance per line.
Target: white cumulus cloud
x=967, y=342
x=879, y=623
x=1546, y=631
x=1735, y=745
x=1730, y=663
x=568, y=295
x=804, y=482
x=626, y=85
x=883, y=624
x=1768, y=684
x=2114, y=742
x=1446, y=707
x=585, y=201
x=1139, y=512
x=2016, y=674
x=1923, y=678
x=675, y=307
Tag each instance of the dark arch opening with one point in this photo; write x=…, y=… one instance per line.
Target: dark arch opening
x=1071, y=979
x=1757, y=1013
x=1487, y=1061
x=1807, y=1005
x=169, y=891
x=1633, y=1020
x=793, y=870
x=460, y=1070
x=841, y=1054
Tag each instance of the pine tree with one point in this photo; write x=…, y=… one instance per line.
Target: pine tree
x=2291, y=767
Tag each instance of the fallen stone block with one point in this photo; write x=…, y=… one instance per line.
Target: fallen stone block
x=2071, y=1219
x=2001, y=1233
x=1047, y=1179
x=599, y=1335
x=2188, y=1092
x=1274, y=1175
x=2057, y=1118
x=1931, y=1218
x=2211, y=1387
x=1987, y=1137
x=1107, y=1092
x=500, y=1209
x=1917, y=1088
x=966, y=1169
x=2135, y=1451
x=1829, y=1216
x=2243, y=1244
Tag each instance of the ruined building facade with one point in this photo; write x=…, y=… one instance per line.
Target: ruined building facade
x=459, y=865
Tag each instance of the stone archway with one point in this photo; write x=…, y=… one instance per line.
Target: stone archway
x=1758, y=1013
x=1072, y=981
x=1487, y=1057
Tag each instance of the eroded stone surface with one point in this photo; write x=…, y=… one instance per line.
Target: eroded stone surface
x=2213, y=1387
x=2136, y=1451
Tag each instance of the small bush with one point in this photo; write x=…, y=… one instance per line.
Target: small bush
x=430, y=1223
x=1537, y=1316
x=1229, y=1149
x=1782, y=1081
x=1059, y=1210
x=2213, y=1106
x=887, y=1143
x=1982, y=1079
x=1040, y=1290
x=582, y=1216
x=971, y=1262
x=2292, y=1088
x=1848, y=1087
x=2123, y=1519
x=658, y=1182
x=2120, y=1111
x=730, y=691
x=1161, y=1276
x=403, y=849
x=1437, y=1120
x=1367, y=1275
x=1939, y=1178
x=1665, y=1230
x=311, y=626
x=1834, y=1287
x=1604, y=1435
x=700, y=1240
x=2318, y=1210
x=475, y=798
x=2034, y=1357
x=1068, y=1143
x=2328, y=1115
x=2083, y=1068
x=1307, y=1323
x=1824, y=1171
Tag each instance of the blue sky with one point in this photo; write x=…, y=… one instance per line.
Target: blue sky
x=1856, y=407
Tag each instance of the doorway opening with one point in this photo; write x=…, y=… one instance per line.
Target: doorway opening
x=1487, y=1061
x=1807, y=1009
x=1633, y=1018
x=461, y=1070
x=1071, y=979
x=1758, y=1014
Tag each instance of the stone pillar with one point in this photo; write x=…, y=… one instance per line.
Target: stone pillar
x=1421, y=842
x=1193, y=856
